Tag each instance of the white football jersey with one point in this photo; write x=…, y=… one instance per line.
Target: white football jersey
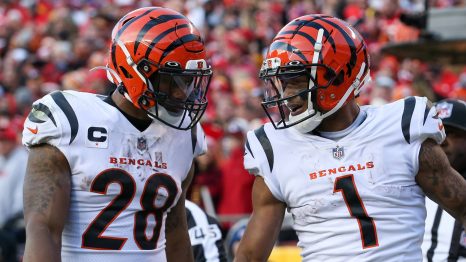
x=123, y=181
x=355, y=199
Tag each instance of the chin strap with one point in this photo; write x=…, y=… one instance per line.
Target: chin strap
x=309, y=124
x=129, y=60
x=315, y=59
x=110, y=72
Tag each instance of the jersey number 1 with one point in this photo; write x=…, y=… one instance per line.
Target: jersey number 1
x=346, y=185
x=157, y=185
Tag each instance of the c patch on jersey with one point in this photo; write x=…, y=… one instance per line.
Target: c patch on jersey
x=97, y=137
x=39, y=114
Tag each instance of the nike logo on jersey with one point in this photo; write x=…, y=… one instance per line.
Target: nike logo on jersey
x=34, y=131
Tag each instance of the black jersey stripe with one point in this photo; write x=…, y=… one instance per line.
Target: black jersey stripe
x=434, y=234
x=190, y=219
x=426, y=111
x=453, y=253
x=249, y=148
x=179, y=42
x=161, y=36
x=408, y=111
x=287, y=47
x=194, y=137
x=61, y=101
x=266, y=145
x=222, y=256
x=199, y=253
x=149, y=25
x=40, y=108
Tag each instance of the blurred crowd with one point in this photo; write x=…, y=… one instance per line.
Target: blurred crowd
x=48, y=45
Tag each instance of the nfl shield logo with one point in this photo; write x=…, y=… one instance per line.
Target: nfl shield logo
x=141, y=145
x=338, y=152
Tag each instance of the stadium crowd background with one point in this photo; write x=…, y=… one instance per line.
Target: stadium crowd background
x=48, y=45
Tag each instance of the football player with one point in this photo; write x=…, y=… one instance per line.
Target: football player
x=106, y=176
x=444, y=237
x=353, y=177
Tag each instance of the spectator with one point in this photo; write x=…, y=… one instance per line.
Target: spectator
x=445, y=238
x=235, y=197
x=383, y=90
x=12, y=170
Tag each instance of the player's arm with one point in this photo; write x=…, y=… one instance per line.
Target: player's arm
x=46, y=202
x=176, y=228
x=440, y=181
x=264, y=225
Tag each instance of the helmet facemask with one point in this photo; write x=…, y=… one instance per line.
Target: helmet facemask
x=175, y=96
x=290, y=93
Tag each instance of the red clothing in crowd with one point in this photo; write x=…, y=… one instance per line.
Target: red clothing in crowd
x=235, y=198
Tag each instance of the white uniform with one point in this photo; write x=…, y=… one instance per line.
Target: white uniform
x=355, y=199
x=123, y=181
x=444, y=237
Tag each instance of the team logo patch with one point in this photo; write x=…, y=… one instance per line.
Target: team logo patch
x=444, y=110
x=338, y=152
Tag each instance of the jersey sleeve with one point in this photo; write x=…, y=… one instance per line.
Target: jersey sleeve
x=199, y=140
x=257, y=164
x=426, y=122
x=43, y=124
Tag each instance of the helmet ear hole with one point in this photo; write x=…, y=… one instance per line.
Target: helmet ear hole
x=125, y=72
x=339, y=79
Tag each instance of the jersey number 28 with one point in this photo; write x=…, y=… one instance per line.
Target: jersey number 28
x=156, y=185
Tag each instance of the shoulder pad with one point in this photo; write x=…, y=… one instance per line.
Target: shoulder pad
x=420, y=121
x=45, y=122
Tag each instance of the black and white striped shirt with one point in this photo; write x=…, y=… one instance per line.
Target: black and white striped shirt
x=205, y=235
x=444, y=237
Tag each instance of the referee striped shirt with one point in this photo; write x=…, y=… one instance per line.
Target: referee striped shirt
x=444, y=237
x=205, y=235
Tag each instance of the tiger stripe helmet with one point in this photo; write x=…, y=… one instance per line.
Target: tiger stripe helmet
x=327, y=53
x=158, y=61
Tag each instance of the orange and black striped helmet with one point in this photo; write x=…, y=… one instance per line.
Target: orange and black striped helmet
x=326, y=56
x=158, y=60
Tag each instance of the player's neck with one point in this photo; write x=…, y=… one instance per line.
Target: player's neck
x=341, y=119
x=127, y=107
